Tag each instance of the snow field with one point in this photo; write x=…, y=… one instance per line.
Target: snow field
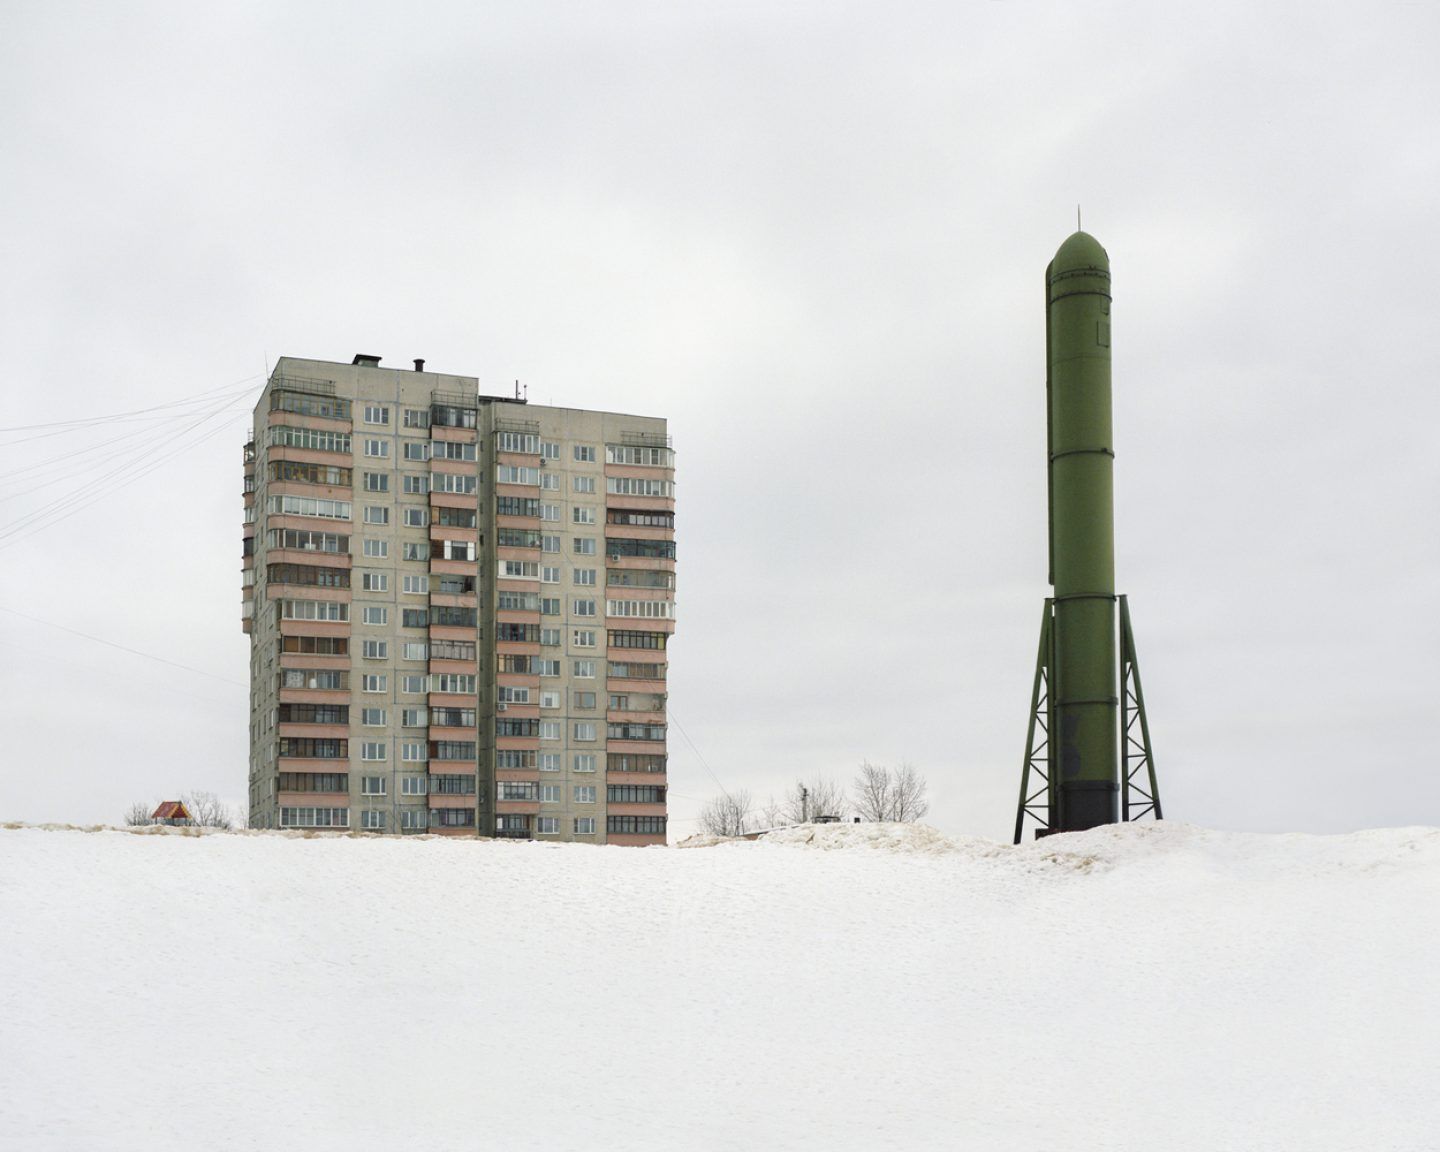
x=1156, y=987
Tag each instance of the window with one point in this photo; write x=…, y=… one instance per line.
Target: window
x=549, y=699
x=417, y=450
x=375, y=649
x=414, y=752
x=516, y=474
x=453, y=450
x=641, y=609
x=377, y=481
x=550, y=575
x=635, y=794
x=549, y=730
x=414, y=717
x=377, y=514
x=376, y=549
x=584, y=453
x=416, y=418
x=412, y=683
x=583, y=762
x=414, y=819
x=524, y=442
x=457, y=483
x=640, y=518
x=550, y=512
x=518, y=601
x=372, y=820
x=416, y=650
x=583, y=484
x=654, y=825
x=584, y=730
x=550, y=793
x=308, y=506
x=453, y=683
x=550, y=637
x=412, y=785
x=377, y=750
x=549, y=450
x=549, y=761
x=414, y=618
x=514, y=758
x=374, y=581
x=282, y=436
x=631, y=486
x=377, y=448
x=549, y=482
x=414, y=551
x=582, y=607
x=509, y=694
x=630, y=454
x=451, y=550
x=327, y=610
x=584, y=793
x=650, y=549
x=414, y=483
x=547, y=825
x=585, y=669
x=306, y=404
x=376, y=614
x=372, y=786
x=448, y=517
x=417, y=517
x=303, y=540
x=374, y=414
x=515, y=790
x=583, y=638
x=583, y=700
x=584, y=545
x=518, y=569
x=314, y=817
x=582, y=515
x=416, y=585
x=629, y=578
x=373, y=717
x=550, y=606
x=452, y=416
x=584, y=825
x=584, y=576
x=550, y=543
x=620, y=638
x=652, y=732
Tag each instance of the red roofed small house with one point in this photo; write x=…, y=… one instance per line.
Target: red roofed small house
x=172, y=812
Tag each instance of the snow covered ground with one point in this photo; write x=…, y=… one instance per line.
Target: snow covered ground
x=845, y=987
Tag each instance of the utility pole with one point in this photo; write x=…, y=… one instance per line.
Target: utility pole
x=804, y=805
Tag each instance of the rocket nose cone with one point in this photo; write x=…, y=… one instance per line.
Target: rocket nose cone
x=1081, y=250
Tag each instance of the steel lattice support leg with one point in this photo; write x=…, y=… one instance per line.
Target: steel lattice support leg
x=1037, y=756
x=1136, y=752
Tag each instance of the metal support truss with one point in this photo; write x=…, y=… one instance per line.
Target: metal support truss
x=1041, y=805
x=1136, y=754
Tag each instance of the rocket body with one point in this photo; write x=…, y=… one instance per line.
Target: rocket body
x=1084, y=737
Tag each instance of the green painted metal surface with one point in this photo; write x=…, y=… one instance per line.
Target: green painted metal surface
x=1084, y=742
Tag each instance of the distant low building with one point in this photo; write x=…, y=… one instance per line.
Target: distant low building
x=172, y=812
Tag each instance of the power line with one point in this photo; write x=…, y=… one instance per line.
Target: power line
x=81, y=421
x=123, y=648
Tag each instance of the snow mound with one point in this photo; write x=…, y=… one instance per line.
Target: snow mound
x=835, y=986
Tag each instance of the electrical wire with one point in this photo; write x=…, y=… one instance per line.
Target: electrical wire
x=123, y=647
x=81, y=421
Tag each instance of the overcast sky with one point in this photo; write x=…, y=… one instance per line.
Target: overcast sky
x=813, y=237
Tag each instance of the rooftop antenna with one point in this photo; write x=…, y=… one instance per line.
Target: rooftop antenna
x=517, y=389
x=1078, y=228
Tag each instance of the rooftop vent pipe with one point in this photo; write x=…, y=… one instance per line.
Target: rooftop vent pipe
x=419, y=365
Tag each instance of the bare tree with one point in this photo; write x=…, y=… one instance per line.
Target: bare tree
x=896, y=794
x=871, y=792
x=207, y=810
x=138, y=814
x=772, y=813
x=908, y=801
x=726, y=814
x=805, y=801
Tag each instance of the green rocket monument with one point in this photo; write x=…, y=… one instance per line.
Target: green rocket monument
x=1087, y=754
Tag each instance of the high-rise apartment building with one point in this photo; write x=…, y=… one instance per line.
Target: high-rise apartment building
x=458, y=608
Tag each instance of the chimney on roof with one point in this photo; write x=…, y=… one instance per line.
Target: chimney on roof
x=366, y=361
x=419, y=365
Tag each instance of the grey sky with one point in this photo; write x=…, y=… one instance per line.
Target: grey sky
x=812, y=236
